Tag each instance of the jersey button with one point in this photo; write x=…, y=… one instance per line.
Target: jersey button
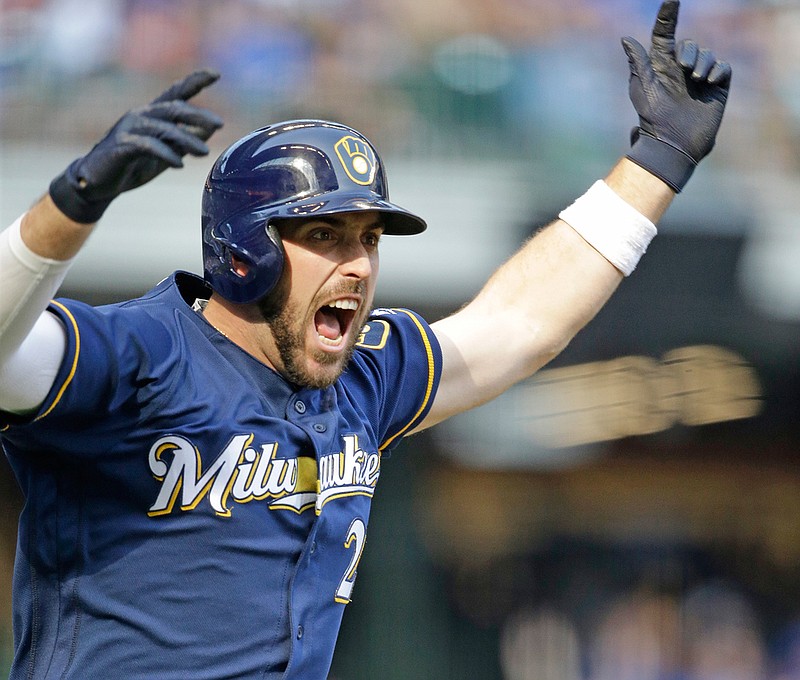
x=299, y=632
x=320, y=427
x=313, y=547
x=300, y=406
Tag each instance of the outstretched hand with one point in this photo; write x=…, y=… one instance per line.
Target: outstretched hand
x=141, y=145
x=679, y=94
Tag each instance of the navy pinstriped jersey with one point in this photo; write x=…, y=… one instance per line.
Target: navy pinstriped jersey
x=188, y=513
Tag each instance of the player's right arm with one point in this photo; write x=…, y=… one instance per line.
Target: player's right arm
x=50, y=234
x=37, y=250
x=35, y=254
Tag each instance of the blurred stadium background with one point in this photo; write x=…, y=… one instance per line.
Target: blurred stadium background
x=633, y=511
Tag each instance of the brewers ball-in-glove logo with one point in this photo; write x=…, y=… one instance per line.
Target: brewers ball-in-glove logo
x=357, y=159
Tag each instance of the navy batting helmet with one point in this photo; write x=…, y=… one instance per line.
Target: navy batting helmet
x=298, y=168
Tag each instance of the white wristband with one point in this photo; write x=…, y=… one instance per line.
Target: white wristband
x=614, y=228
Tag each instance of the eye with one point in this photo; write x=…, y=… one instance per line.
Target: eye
x=372, y=238
x=322, y=234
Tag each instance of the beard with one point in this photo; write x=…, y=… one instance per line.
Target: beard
x=288, y=326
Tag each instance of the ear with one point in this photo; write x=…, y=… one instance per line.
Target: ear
x=239, y=267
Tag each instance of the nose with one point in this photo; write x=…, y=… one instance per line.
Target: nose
x=357, y=260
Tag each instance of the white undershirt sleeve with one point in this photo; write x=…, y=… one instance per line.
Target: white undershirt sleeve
x=28, y=374
x=31, y=346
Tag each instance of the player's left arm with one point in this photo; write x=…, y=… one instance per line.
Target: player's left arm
x=535, y=303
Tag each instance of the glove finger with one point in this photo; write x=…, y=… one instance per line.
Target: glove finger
x=638, y=60
x=189, y=86
x=705, y=62
x=666, y=20
x=178, y=111
x=197, y=131
x=176, y=136
x=720, y=74
x=686, y=54
x=662, y=50
x=144, y=145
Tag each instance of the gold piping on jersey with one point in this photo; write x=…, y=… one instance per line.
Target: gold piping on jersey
x=74, y=366
x=429, y=386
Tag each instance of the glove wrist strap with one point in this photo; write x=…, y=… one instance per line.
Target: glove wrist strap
x=667, y=162
x=69, y=201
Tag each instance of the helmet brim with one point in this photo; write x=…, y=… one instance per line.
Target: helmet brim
x=397, y=221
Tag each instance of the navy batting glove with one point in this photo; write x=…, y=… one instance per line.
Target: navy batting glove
x=679, y=95
x=142, y=144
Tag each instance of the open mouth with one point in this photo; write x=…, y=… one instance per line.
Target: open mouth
x=334, y=320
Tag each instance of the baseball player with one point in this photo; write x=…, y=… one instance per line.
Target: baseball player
x=198, y=464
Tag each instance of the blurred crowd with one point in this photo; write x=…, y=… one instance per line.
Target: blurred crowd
x=711, y=632
x=532, y=76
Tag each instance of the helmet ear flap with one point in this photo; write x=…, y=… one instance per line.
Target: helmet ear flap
x=246, y=268
x=246, y=260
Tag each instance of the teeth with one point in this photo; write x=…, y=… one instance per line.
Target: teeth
x=344, y=304
x=328, y=341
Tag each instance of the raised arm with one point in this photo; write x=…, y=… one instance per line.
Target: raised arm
x=36, y=251
x=554, y=285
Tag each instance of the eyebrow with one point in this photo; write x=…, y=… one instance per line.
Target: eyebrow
x=334, y=220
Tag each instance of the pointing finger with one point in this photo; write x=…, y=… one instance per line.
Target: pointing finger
x=662, y=51
x=666, y=21
x=189, y=86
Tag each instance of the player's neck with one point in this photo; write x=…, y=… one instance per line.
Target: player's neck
x=243, y=325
